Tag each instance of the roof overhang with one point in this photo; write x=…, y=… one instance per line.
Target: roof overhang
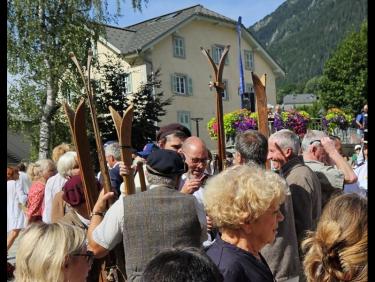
x=109, y=45
x=276, y=68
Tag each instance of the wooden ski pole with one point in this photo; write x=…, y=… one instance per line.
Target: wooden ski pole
x=219, y=86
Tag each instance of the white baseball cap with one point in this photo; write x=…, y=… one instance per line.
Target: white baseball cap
x=356, y=147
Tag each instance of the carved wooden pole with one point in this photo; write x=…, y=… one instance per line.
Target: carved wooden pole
x=219, y=86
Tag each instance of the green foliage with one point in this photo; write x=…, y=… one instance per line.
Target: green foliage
x=315, y=110
x=238, y=120
x=40, y=34
x=302, y=34
x=147, y=106
x=337, y=118
x=23, y=111
x=344, y=81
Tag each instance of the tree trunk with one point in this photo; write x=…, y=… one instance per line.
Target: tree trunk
x=45, y=121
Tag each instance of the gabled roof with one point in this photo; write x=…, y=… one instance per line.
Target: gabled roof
x=299, y=98
x=139, y=37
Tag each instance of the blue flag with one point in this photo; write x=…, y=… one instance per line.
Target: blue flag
x=242, y=79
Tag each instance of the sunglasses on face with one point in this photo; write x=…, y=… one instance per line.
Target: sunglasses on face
x=89, y=256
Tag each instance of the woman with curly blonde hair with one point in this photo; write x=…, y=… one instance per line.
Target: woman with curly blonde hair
x=337, y=250
x=52, y=253
x=244, y=203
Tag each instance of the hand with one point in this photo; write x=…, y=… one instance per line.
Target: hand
x=328, y=145
x=190, y=186
x=101, y=203
x=125, y=169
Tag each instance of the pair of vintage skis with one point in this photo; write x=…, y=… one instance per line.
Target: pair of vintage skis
x=261, y=101
x=77, y=123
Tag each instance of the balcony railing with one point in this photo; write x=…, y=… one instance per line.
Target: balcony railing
x=348, y=136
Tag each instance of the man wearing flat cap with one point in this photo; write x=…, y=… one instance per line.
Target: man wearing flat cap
x=151, y=221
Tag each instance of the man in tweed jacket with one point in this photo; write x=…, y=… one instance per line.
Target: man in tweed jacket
x=150, y=221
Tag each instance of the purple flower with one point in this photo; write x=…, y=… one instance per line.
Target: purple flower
x=244, y=124
x=278, y=123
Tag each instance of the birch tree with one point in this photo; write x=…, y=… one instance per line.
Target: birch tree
x=40, y=34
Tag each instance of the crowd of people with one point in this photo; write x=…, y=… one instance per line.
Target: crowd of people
x=305, y=219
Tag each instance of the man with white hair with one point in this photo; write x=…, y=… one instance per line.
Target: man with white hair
x=283, y=148
x=318, y=150
x=113, y=156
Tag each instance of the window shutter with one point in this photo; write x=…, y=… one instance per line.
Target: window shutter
x=182, y=48
x=130, y=84
x=190, y=86
x=173, y=83
x=214, y=54
x=174, y=47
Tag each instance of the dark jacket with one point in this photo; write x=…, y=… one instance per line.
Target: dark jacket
x=237, y=265
x=306, y=195
x=282, y=256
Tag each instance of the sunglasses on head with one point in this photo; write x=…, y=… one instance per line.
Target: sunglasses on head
x=314, y=141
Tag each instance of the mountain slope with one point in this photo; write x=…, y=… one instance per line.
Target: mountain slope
x=301, y=34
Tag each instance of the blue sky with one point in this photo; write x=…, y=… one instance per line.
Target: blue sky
x=251, y=11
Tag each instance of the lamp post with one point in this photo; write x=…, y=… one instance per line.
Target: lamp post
x=197, y=120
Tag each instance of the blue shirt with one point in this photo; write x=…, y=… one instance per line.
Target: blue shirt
x=238, y=265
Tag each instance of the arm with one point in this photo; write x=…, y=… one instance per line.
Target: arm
x=58, y=207
x=341, y=163
x=96, y=219
x=303, y=210
x=21, y=195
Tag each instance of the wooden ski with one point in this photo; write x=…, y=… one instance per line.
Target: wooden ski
x=109, y=266
x=124, y=128
x=141, y=176
x=259, y=85
x=77, y=124
x=219, y=86
x=98, y=139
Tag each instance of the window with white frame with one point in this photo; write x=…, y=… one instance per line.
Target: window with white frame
x=183, y=117
x=249, y=59
x=178, y=47
x=217, y=51
x=128, y=84
x=182, y=84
